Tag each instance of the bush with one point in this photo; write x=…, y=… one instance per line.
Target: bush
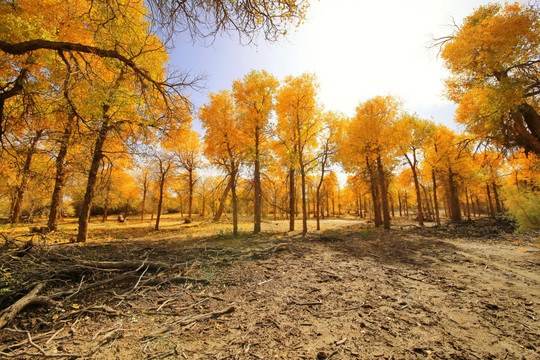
x=524, y=206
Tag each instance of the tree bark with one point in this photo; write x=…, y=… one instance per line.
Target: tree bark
x=15, y=90
x=468, y=206
x=490, y=203
x=234, y=201
x=435, y=200
x=160, y=199
x=9, y=313
x=384, y=193
x=417, y=188
x=496, y=196
x=427, y=202
x=399, y=202
x=223, y=200
x=25, y=175
x=527, y=127
x=60, y=178
x=25, y=47
x=374, y=194
x=190, y=198
x=292, y=192
x=86, y=207
x=257, y=185
x=145, y=190
x=304, y=203
x=106, y=205
x=453, y=201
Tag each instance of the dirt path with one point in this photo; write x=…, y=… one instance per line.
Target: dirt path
x=351, y=293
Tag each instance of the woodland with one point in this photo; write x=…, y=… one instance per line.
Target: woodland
x=126, y=233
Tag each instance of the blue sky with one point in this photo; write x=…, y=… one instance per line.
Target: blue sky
x=358, y=49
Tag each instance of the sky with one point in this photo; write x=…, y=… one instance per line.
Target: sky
x=358, y=50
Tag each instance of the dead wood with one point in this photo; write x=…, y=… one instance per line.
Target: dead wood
x=12, y=311
x=126, y=265
x=188, y=320
x=271, y=250
x=42, y=352
x=97, y=284
x=309, y=303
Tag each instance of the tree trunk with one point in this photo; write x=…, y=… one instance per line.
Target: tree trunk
x=490, y=203
x=106, y=205
x=526, y=124
x=384, y=193
x=223, y=201
x=234, y=201
x=417, y=188
x=374, y=195
x=468, y=206
x=365, y=206
x=86, y=207
x=496, y=196
x=190, y=199
x=203, y=206
x=358, y=206
x=257, y=185
x=160, y=199
x=318, y=199
x=406, y=204
x=292, y=192
x=428, y=207
x=25, y=175
x=453, y=201
x=60, y=178
x=304, y=200
x=435, y=200
x=399, y=202
x=145, y=190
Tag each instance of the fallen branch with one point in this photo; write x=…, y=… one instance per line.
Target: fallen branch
x=309, y=303
x=42, y=352
x=123, y=277
x=270, y=250
x=126, y=265
x=192, y=319
x=12, y=311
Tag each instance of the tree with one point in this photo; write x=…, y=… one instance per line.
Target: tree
x=370, y=147
x=413, y=133
x=188, y=154
x=329, y=140
x=223, y=141
x=164, y=162
x=298, y=126
x=249, y=18
x=185, y=144
x=522, y=190
x=451, y=154
x=94, y=36
x=254, y=97
x=115, y=106
x=494, y=57
x=29, y=153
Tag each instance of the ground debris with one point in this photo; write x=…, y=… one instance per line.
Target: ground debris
x=368, y=293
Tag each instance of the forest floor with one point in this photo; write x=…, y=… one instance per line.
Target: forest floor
x=467, y=291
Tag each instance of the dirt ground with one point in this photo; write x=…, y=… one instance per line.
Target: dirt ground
x=349, y=292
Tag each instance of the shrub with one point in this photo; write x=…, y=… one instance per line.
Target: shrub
x=523, y=205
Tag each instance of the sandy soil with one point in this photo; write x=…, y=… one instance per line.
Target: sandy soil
x=349, y=292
